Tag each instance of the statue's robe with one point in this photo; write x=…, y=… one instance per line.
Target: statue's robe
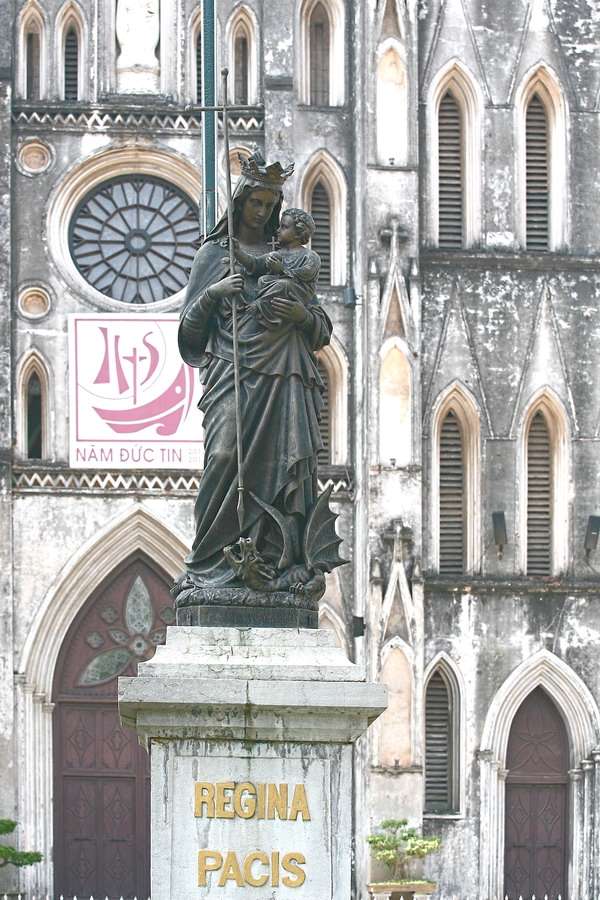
x=281, y=399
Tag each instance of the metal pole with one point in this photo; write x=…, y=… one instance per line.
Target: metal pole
x=209, y=118
x=236, y=352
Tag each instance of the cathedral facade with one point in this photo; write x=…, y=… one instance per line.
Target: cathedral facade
x=448, y=151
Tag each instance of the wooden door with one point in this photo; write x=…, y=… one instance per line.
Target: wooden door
x=536, y=801
x=101, y=777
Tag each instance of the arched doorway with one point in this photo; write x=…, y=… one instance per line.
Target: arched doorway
x=536, y=831
x=101, y=778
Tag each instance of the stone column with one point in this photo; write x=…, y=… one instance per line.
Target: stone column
x=250, y=733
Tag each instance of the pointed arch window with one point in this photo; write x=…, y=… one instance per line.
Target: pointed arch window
x=455, y=124
x=325, y=423
x=321, y=61
x=545, y=493
x=242, y=43
x=33, y=64
x=198, y=65
x=319, y=54
x=442, y=749
x=450, y=173
x=539, y=497
x=71, y=64
x=537, y=175
x=241, y=58
x=456, y=485
x=542, y=139
x=320, y=208
x=452, y=497
x=34, y=421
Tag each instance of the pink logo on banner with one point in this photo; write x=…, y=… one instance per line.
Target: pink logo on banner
x=129, y=385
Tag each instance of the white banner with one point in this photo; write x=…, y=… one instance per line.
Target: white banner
x=132, y=398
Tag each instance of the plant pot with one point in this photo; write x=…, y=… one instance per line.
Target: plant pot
x=401, y=890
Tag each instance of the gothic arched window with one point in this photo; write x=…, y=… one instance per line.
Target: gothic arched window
x=241, y=62
x=442, y=742
x=452, y=497
x=319, y=56
x=71, y=65
x=539, y=497
x=450, y=173
x=320, y=209
x=34, y=418
x=33, y=64
x=537, y=175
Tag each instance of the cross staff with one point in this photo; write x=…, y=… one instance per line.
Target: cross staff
x=236, y=352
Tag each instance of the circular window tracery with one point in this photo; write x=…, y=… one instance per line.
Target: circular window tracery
x=133, y=238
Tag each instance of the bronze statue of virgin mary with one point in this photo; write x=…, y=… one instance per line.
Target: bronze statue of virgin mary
x=268, y=569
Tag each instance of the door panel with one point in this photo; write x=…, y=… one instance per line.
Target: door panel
x=102, y=785
x=536, y=812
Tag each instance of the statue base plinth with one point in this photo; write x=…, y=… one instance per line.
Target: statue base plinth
x=242, y=607
x=250, y=733
x=248, y=617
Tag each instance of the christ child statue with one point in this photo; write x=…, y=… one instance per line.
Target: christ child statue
x=289, y=273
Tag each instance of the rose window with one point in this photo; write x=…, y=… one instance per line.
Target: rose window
x=134, y=238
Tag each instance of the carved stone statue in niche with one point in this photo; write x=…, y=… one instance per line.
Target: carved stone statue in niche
x=265, y=565
x=138, y=34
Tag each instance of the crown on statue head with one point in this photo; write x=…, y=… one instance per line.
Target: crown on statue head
x=256, y=169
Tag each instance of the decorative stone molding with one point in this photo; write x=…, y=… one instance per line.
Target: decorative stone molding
x=249, y=123
x=139, y=157
x=41, y=480
x=34, y=156
x=34, y=301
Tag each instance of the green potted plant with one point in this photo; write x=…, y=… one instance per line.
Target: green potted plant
x=10, y=856
x=396, y=845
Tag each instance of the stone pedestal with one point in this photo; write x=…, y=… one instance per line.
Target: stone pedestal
x=250, y=734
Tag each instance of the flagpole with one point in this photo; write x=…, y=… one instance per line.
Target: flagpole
x=236, y=352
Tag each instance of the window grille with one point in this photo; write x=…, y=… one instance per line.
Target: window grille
x=320, y=209
x=539, y=498
x=34, y=417
x=537, y=175
x=450, y=174
x=319, y=39
x=324, y=456
x=33, y=66
x=71, y=65
x=452, y=497
x=241, y=69
x=199, y=66
x=438, y=745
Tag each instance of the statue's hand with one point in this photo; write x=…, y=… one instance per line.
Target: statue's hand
x=274, y=264
x=290, y=310
x=233, y=284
